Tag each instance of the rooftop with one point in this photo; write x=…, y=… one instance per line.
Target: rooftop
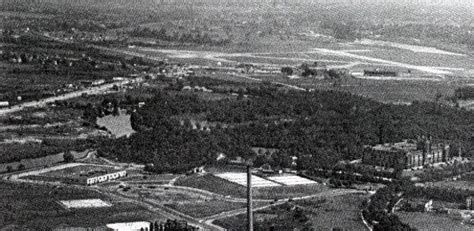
x=406, y=145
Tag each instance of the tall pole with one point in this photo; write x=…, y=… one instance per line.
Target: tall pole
x=249, y=200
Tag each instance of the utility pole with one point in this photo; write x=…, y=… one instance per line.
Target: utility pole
x=249, y=199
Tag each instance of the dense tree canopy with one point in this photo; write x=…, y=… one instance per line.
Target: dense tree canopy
x=321, y=127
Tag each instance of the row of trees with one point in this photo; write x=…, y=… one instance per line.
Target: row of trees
x=378, y=210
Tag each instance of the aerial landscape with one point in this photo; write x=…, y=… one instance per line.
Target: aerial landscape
x=168, y=115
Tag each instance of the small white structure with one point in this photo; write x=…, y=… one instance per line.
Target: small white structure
x=130, y=226
x=4, y=104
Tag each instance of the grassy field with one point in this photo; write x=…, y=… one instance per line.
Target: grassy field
x=35, y=207
x=77, y=170
x=432, y=221
x=118, y=125
x=341, y=211
x=217, y=185
x=203, y=209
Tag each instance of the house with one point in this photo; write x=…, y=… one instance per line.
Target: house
x=4, y=104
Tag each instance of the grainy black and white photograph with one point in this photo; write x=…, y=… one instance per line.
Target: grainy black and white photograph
x=238, y=115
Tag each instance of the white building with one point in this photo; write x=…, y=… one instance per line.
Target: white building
x=105, y=177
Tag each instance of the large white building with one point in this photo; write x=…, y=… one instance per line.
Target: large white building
x=106, y=177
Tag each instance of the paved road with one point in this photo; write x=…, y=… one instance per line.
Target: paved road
x=75, y=94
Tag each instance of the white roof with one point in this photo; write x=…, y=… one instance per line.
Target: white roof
x=129, y=226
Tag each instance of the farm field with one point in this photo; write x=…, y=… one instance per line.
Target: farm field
x=431, y=221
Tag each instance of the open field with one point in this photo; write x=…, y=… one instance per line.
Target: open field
x=44, y=161
x=77, y=171
x=201, y=209
x=459, y=184
x=133, y=176
x=118, y=125
x=432, y=221
x=341, y=211
x=35, y=207
x=193, y=203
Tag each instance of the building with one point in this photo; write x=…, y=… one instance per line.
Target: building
x=90, y=176
x=99, y=178
x=406, y=154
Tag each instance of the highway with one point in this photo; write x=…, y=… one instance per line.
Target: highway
x=75, y=94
